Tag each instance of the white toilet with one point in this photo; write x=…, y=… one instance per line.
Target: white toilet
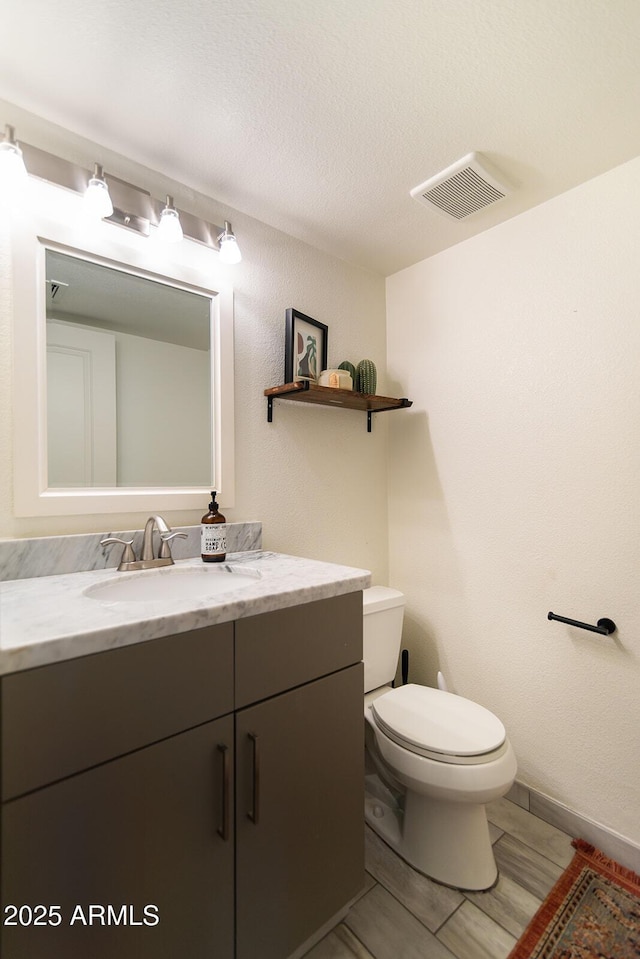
x=433, y=760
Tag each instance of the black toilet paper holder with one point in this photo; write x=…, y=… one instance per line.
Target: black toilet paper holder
x=604, y=626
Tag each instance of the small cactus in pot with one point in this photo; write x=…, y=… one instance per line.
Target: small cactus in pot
x=366, y=377
x=350, y=368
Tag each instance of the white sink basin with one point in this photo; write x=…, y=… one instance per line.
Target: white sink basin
x=173, y=583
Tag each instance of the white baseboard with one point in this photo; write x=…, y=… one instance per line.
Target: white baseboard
x=611, y=843
x=330, y=924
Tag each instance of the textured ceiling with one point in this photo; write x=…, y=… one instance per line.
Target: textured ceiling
x=319, y=116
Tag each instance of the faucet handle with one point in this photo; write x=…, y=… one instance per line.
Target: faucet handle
x=165, y=549
x=128, y=555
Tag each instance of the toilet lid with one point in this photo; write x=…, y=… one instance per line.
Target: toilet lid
x=427, y=720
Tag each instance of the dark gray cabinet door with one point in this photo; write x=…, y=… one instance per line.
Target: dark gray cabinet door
x=140, y=831
x=61, y=719
x=299, y=812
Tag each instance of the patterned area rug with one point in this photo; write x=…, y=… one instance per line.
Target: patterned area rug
x=592, y=912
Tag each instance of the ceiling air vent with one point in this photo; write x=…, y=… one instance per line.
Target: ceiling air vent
x=463, y=188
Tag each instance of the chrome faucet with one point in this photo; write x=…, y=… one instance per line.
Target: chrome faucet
x=162, y=526
x=147, y=560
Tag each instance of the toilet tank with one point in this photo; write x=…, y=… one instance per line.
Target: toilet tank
x=383, y=611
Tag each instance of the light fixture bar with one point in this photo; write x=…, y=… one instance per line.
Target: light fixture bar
x=133, y=207
x=46, y=166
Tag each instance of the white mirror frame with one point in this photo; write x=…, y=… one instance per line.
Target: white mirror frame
x=58, y=222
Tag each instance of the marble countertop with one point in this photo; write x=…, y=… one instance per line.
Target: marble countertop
x=48, y=619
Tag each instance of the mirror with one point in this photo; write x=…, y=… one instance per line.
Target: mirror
x=123, y=367
x=128, y=378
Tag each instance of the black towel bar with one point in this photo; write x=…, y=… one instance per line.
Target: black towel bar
x=605, y=626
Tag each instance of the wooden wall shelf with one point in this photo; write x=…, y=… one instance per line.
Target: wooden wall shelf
x=303, y=391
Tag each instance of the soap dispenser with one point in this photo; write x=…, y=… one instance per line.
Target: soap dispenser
x=213, y=534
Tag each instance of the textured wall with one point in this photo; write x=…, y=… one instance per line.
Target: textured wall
x=515, y=478
x=314, y=477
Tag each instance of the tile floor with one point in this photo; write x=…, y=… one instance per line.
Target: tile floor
x=403, y=915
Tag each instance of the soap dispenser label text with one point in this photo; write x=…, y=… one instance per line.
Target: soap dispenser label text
x=214, y=539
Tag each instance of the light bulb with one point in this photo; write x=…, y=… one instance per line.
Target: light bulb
x=169, y=229
x=97, y=201
x=229, y=249
x=12, y=169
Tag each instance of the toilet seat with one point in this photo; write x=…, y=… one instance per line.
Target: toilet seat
x=439, y=725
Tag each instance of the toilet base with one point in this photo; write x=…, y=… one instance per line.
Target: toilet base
x=446, y=841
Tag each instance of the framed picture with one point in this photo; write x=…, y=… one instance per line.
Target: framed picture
x=305, y=347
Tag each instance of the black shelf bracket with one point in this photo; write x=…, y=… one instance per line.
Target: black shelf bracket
x=402, y=404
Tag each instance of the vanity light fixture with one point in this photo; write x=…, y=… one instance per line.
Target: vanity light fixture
x=229, y=249
x=117, y=201
x=97, y=201
x=12, y=168
x=169, y=228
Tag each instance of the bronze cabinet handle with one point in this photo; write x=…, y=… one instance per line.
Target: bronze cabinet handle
x=223, y=830
x=254, y=813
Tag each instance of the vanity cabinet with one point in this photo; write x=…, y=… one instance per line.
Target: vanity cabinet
x=198, y=795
